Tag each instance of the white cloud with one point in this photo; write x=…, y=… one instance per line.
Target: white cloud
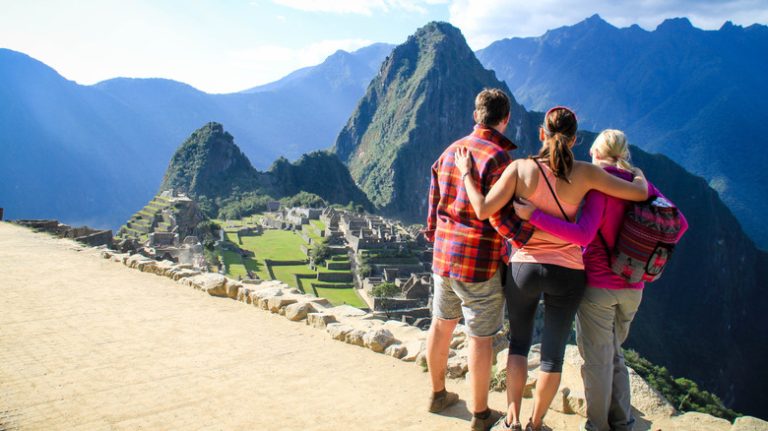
x=485, y=21
x=359, y=7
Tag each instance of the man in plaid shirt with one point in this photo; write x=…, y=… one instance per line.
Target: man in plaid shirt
x=467, y=256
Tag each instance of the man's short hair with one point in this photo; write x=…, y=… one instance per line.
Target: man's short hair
x=492, y=106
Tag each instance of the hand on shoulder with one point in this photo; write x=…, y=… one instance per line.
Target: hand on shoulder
x=462, y=157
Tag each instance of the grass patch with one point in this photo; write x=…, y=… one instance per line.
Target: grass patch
x=341, y=296
x=234, y=264
x=322, y=268
x=274, y=244
x=286, y=274
x=231, y=236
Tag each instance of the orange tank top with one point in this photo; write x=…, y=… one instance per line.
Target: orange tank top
x=544, y=247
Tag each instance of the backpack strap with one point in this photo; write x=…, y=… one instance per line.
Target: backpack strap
x=605, y=245
x=551, y=190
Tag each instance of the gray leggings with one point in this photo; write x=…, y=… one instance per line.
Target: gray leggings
x=563, y=289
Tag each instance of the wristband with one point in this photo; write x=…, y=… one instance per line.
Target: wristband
x=464, y=176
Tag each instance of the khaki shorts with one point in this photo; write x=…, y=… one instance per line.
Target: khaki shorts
x=481, y=304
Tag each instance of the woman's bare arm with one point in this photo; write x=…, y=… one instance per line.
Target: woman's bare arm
x=501, y=192
x=597, y=178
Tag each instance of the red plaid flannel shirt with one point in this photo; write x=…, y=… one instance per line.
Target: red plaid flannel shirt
x=466, y=248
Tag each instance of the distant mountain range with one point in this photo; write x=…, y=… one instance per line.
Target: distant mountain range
x=702, y=320
x=94, y=154
x=699, y=97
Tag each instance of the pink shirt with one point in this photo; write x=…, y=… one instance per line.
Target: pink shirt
x=599, y=212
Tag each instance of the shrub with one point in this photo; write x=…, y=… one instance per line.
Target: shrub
x=683, y=393
x=303, y=199
x=320, y=251
x=385, y=290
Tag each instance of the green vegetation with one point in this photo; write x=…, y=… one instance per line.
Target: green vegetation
x=341, y=296
x=234, y=264
x=303, y=199
x=275, y=245
x=312, y=230
x=321, y=175
x=241, y=205
x=320, y=251
x=385, y=290
x=683, y=393
x=279, y=245
x=286, y=274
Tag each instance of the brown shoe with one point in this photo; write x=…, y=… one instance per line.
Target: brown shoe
x=440, y=403
x=530, y=427
x=485, y=424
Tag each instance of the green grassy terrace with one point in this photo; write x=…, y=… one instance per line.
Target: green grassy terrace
x=279, y=245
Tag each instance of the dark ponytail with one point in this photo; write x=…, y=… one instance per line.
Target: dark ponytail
x=559, y=128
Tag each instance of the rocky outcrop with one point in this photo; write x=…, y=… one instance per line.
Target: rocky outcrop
x=749, y=423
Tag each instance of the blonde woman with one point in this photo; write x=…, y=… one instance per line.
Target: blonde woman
x=546, y=265
x=609, y=303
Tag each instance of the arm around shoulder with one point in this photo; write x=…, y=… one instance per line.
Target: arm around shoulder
x=597, y=178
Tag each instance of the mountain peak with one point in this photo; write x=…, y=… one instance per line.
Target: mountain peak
x=440, y=33
x=595, y=19
x=440, y=27
x=675, y=25
x=209, y=163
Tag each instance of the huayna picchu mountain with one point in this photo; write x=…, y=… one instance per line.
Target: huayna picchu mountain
x=422, y=98
x=211, y=169
x=704, y=319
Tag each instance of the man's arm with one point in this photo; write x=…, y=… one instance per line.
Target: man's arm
x=434, y=199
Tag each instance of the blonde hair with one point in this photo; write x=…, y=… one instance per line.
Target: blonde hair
x=612, y=144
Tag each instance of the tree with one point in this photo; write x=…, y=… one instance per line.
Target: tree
x=320, y=251
x=385, y=290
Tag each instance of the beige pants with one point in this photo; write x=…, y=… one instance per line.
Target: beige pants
x=602, y=325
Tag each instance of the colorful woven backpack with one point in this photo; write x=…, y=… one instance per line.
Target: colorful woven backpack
x=645, y=241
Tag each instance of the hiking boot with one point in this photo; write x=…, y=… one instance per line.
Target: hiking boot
x=486, y=424
x=543, y=427
x=442, y=402
x=501, y=425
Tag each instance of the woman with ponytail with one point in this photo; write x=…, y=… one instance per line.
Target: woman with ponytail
x=610, y=303
x=546, y=265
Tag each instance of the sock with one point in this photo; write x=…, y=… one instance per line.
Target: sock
x=440, y=394
x=483, y=415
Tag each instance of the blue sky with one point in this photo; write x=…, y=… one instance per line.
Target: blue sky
x=228, y=45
